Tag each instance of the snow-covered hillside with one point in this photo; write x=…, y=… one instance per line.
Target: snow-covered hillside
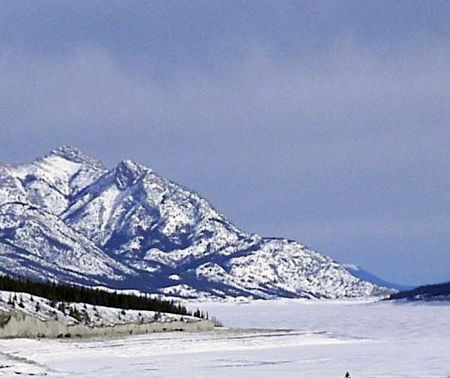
x=76, y=313
x=67, y=217
x=26, y=316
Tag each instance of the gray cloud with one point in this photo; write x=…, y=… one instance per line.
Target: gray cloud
x=292, y=121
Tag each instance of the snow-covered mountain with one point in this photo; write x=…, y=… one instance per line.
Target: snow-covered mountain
x=66, y=217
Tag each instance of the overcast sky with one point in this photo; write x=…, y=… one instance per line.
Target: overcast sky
x=324, y=122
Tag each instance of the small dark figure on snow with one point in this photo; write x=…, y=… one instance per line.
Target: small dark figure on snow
x=347, y=375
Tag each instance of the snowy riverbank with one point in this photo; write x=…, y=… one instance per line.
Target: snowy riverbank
x=22, y=315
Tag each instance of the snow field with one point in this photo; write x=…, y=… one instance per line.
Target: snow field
x=307, y=339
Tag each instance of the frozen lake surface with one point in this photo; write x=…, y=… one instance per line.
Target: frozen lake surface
x=286, y=338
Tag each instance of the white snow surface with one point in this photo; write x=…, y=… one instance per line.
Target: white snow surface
x=285, y=338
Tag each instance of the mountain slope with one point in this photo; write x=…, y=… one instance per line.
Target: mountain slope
x=37, y=244
x=148, y=233
x=139, y=216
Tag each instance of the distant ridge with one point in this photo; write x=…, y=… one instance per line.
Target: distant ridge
x=369, y=277
x=436, y=292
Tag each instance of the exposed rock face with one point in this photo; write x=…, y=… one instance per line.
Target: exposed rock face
x=66, y=217
x=20, y=324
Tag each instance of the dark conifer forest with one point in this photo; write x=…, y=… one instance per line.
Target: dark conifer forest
x=426, y=292
x=69, y=293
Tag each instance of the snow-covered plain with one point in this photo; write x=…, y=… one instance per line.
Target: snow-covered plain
x=306, y=339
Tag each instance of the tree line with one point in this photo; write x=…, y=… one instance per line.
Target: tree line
x=57, y=292
x=424, y=292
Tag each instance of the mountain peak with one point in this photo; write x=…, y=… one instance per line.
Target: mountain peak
x=128, y=172
x=75, y=155
x=67, y=151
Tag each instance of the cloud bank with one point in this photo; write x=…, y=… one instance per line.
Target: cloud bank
x=327, y=124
